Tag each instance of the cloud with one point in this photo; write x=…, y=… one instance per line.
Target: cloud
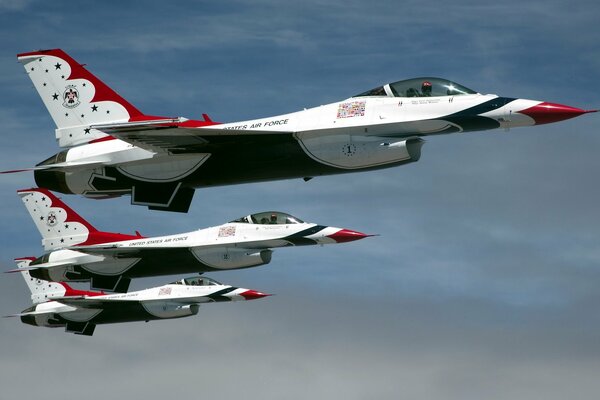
x=482, y=281
x=15, y=5
x=423, y=348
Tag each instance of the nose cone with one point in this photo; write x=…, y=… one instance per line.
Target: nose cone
x=253, y=295
x=546, y=113
x=347, y=235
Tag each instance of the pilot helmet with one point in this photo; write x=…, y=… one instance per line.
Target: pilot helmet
x=426, y=87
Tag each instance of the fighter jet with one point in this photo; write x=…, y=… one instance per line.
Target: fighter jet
x=76, y=251
x=111, y=148
x=56, y=304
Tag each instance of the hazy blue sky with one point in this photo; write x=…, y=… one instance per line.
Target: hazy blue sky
x=485, y=280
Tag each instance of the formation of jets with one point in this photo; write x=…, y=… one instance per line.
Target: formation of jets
x=110, y=148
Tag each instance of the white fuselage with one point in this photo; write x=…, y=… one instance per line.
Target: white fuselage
x=80, y=313
x=320, y=131
x=113, y=149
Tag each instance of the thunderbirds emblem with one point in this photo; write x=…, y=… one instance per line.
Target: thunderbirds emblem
x=71, y=97
x=51, y=219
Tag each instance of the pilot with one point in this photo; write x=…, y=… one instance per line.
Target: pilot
x=273, y=219
x=380, y=91
x=426, y=89
x=412, y=92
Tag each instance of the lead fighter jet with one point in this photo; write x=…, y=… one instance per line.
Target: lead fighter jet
x=76, y=251
x=111, y=148
x=58, y=305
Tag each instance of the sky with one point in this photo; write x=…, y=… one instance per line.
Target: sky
x=483, y=281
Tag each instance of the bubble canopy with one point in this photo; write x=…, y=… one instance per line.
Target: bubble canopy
x=269, y=218
x=419, y=87
x=196, y=281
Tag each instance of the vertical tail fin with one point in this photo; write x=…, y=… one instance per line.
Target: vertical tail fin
x=41, y=291
x=59, y=225
x=74, y=97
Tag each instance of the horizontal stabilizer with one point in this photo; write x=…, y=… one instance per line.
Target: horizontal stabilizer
x=25, y=314
x=81, y=302
x=139, y=125
x=47, y=265
x=48, y=312
x=11, y=271
x=63, y=166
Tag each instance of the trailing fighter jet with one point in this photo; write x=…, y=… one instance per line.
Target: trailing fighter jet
x=76, y=251
x=111, y=148
x=56, y=304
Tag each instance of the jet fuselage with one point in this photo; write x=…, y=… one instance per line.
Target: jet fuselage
x=113, y=149
x=76, y=251
x=80, y=311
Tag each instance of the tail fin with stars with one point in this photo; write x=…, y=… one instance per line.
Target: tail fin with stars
x=41, y=291
x=75, y=98
x=60, y=226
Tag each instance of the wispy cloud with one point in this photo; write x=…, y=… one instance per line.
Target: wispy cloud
x=482, y=281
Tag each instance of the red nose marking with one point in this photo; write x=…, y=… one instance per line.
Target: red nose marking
x=346, y=235
x=546, y=113
x=253, y=295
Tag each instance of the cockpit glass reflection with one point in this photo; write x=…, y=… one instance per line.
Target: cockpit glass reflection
x=269, y=218
x=419, y=87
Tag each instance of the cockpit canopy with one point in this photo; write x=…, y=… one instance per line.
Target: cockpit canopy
x=269, y=218
x=419, y=87
x=196, y=281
